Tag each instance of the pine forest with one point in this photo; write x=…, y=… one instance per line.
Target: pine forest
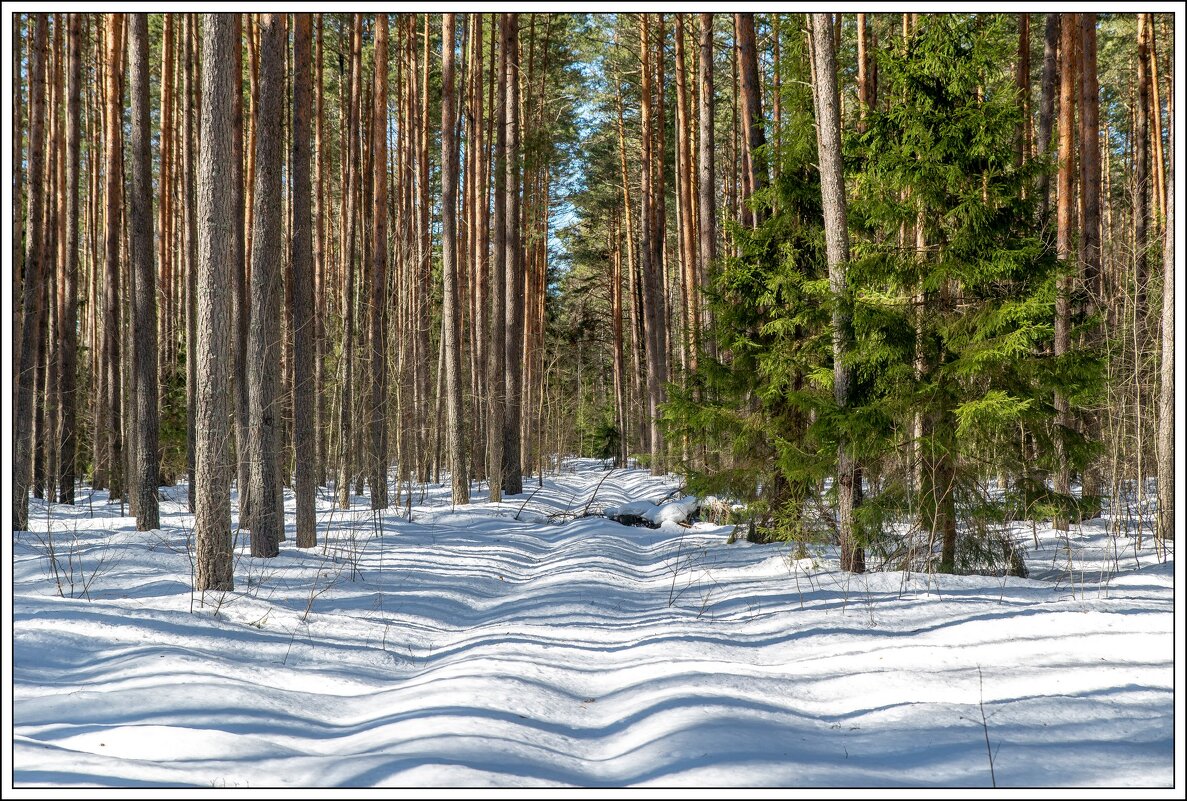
x=784, y=385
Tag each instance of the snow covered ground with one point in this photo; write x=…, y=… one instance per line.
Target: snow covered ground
x=517, y=644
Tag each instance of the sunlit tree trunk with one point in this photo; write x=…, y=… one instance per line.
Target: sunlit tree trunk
x=216, y=261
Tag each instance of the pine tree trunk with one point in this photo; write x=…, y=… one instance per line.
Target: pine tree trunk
x=68, y=328
x=304, y=383
x=685, y=175
x=832, y=188
x=216, y=263
x=1047, y=108
x=265, y=339
x=451, y=308
x=1069, y=31
x=706, y=179
x=1166, y=389
x=19, y=200
x=320, y=204
x=144, y=342
x=497, y=415
x=1090, y=233
x=1022, y=83
x=240, y=291
x=1141, y=156
x=349, y=233
x=113, y=171
x=32, y=311
x=190, y=42
x=513, y=243
x=378, y=401
x=752, y=124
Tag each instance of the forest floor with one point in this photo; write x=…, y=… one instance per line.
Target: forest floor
x=514, y=644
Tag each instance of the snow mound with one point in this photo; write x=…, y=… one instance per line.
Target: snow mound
x=674, y=511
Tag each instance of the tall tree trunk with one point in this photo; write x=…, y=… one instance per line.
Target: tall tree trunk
x=1159, y=160
x=114, y=171
x=706, y=183
x=240, y=291
x=1141, y=156
x=190, y=43
x=144, y=342
x=321, y=203
x=68, y=329
x=513, y=243
x=345, y=441
x=496, y=414
x=451, y=308
x=1090, y=233
x=752, y=124
x=1166, y=389
x=304, y=384
x=1022, y=83
x=864, y=74
x=18, y=194
x=216, y=262
x=832, y=189
x=32, y=311
x=685, y=177
x=265, y=342
x=1069, y=32
x=378, y=405
x=1047, y=108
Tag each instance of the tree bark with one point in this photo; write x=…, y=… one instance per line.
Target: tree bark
x=304, y=385
x=216, y=261
x=1141, y=157
x=1166, y=389
x=240, y=291
x=68, y=328
x=1090, y=195
x=451, y=308
x=752, y=124
x=706, y=185
x=832, y=189
x=685, y=175
x=1047, y=108
x=1064, y=220
x=345, y=441
x=113, y=171
x=265, y=341
x=376, y=312
x=513, y=242
x=32, y=311
x=496, y=414
x=190, y=42
x=144, y=342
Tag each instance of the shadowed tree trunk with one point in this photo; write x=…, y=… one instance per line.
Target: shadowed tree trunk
x=378, y=319
x=752, y=124
x=451, y=309
x=22, y=458
x=265, y=342
x=68, y=329
x=144, y=339
x=497, y=398
x=302, y=283
x=114, y=171
x=1047, y=108
x=513, y=242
